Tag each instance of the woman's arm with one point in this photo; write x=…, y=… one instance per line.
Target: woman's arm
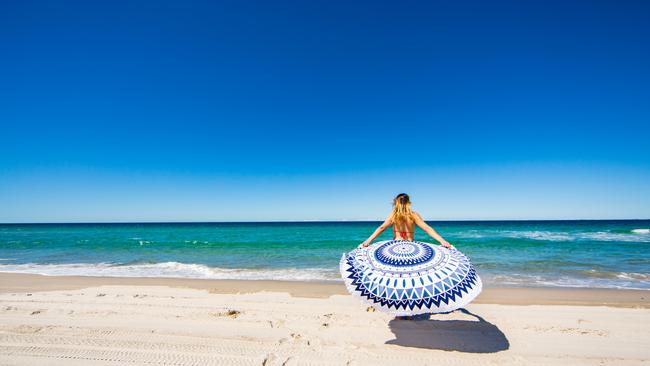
x=429, y=230
x=377, y=232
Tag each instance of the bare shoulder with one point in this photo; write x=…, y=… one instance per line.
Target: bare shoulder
x=417, y=216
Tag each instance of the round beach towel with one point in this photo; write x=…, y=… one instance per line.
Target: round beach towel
x=404, y=277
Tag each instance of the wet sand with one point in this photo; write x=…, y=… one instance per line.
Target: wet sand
x=14, y=282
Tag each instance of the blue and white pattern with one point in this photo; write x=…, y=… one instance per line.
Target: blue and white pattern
x=404, y=277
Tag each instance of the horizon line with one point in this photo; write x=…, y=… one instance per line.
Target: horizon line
x=300, y=221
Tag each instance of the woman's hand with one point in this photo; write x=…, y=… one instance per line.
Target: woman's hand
x=364, y=244
x=447, y=245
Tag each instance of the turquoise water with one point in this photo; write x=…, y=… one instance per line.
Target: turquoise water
x=614, y=254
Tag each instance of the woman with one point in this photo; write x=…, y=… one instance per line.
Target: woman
x=403, y=220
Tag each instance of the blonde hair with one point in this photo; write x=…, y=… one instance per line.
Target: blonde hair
x=402, y=213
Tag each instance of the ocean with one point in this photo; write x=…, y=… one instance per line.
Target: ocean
x=596, y=254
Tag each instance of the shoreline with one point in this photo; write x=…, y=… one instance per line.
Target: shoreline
x=626, y=298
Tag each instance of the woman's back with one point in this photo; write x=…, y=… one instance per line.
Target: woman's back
x=404, y=229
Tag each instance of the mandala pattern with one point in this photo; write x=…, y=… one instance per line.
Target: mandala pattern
x=406, y=277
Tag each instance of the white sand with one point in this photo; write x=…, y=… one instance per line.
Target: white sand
x=174, y=326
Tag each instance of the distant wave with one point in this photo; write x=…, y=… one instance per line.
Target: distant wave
x=618, y=275
x=171, y=269
x=540, y=235
x=620, y=280
x=632, y=236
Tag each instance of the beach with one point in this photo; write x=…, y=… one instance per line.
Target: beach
x=72, y=320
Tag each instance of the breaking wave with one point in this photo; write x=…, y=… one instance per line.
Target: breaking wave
x=172, y=269
x=620, y=280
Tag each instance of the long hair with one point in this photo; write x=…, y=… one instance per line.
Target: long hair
x=402, y=213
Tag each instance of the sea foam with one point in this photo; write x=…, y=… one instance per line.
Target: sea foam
x=171, y=269
x=559, y=236
x=621, y=280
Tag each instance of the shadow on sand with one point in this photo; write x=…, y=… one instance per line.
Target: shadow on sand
x=449, y=335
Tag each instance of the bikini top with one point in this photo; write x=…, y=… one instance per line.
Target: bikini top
x=403, y=234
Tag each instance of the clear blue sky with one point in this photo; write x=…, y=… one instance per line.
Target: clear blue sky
x=303, y=110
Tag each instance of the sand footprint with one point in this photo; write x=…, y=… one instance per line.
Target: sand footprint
x=270, y=360
x=231, y=313
x=276, y=323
